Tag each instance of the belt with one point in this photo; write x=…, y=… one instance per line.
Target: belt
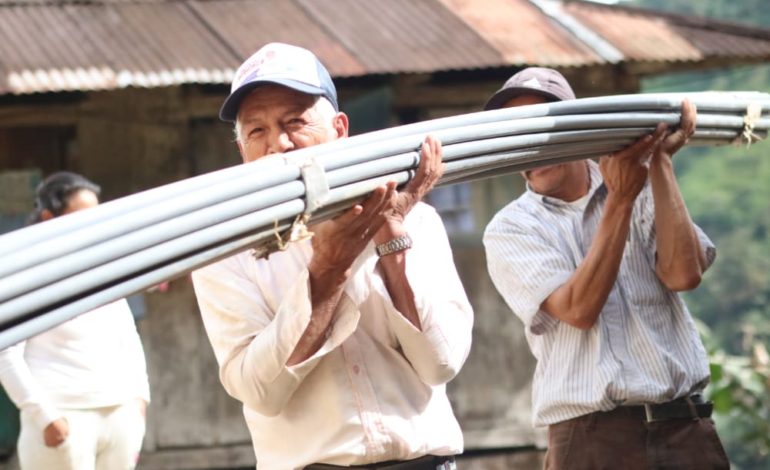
x=692, y=407
x=428, y=462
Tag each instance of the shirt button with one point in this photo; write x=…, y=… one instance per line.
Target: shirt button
x=356, y=369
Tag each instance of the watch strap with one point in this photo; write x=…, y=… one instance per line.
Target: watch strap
x=404, y=242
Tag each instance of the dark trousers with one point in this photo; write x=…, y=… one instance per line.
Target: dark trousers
x=624, y=439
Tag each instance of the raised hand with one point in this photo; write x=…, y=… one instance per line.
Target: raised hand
x=337, y=242
x=625, y=171
x=677, y=139
x=428, y=173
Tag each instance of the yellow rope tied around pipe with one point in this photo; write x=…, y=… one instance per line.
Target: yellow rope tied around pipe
x=297, y=232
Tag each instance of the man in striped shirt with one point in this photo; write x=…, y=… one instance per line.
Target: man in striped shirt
x=591, y=258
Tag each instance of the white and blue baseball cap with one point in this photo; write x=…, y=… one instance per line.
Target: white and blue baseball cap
x=281, y=64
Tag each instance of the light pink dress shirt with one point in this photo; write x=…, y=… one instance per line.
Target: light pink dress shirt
x=375, y=391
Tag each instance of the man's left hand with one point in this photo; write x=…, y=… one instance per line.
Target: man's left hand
x=428, y=173
x=677, y=139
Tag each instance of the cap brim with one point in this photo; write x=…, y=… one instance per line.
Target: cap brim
x=229, y=110
x=506, y=94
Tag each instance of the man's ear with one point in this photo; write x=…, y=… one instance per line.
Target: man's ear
x=45, y=214
x=341, y=125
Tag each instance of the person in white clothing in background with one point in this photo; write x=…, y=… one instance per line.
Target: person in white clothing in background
x=82, y=386
x=339, y=347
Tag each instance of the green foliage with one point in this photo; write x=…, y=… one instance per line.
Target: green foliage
x=739, y=389
x=728, y=196
x=740, y=11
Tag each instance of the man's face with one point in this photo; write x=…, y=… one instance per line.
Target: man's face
x=276, y=119
x=549, y=180
x=80, y=200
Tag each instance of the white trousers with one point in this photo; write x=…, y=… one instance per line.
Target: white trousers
x=99, y=439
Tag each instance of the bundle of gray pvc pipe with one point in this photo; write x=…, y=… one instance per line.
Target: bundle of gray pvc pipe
x=53, y=271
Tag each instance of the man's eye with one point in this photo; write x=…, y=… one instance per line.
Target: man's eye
x=255, y=131
x=296, y=122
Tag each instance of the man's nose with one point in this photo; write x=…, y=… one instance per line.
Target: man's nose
x=279, y=142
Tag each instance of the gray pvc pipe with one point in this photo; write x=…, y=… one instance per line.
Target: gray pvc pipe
x=731, y=101
x=81, y=249
x=483, y=164
x=729, y=120
x=35, y=324
x=93, y=233
x=454, y=176
x=136, y=262
x=77, y=261
x=54, y=268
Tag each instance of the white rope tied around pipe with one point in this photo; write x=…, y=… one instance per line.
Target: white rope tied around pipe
x=317, y=192
x=753, y=114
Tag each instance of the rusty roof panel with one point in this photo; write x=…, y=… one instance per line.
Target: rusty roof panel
x=43, y=49
x=39, y=37
x=522, y=33
x=721, y=44
x=156, y=37
x=640, y=37
x=87, y=47
x=647, y=36
x=246, y=25
x=57, y=45
x=398, y=36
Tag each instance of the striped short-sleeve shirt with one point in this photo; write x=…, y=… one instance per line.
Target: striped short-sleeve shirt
x=644, y=348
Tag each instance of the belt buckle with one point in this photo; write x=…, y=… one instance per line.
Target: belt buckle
x=449, y=465
x=648, y=416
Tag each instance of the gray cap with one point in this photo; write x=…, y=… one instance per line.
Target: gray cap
x=533, y=80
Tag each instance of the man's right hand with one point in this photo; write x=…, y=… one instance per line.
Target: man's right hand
x=625, y=171
x=56, y=432
x=336, y=245
x=338, y=242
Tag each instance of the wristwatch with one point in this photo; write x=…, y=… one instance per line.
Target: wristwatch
x=404, y=242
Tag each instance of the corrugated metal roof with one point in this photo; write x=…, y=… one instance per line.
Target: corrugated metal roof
x=638, y=37
x=522, y=33
x=104, y=46
x=59, y=45
x=245, y=25
x=722, y=44
x=647, y=36
x=403, y=35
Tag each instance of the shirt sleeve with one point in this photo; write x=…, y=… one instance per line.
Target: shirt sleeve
x=645, y=218
x=252, y=343
x=708, y=247
x=23, y=389
x=525, y=268
x=437, y=351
